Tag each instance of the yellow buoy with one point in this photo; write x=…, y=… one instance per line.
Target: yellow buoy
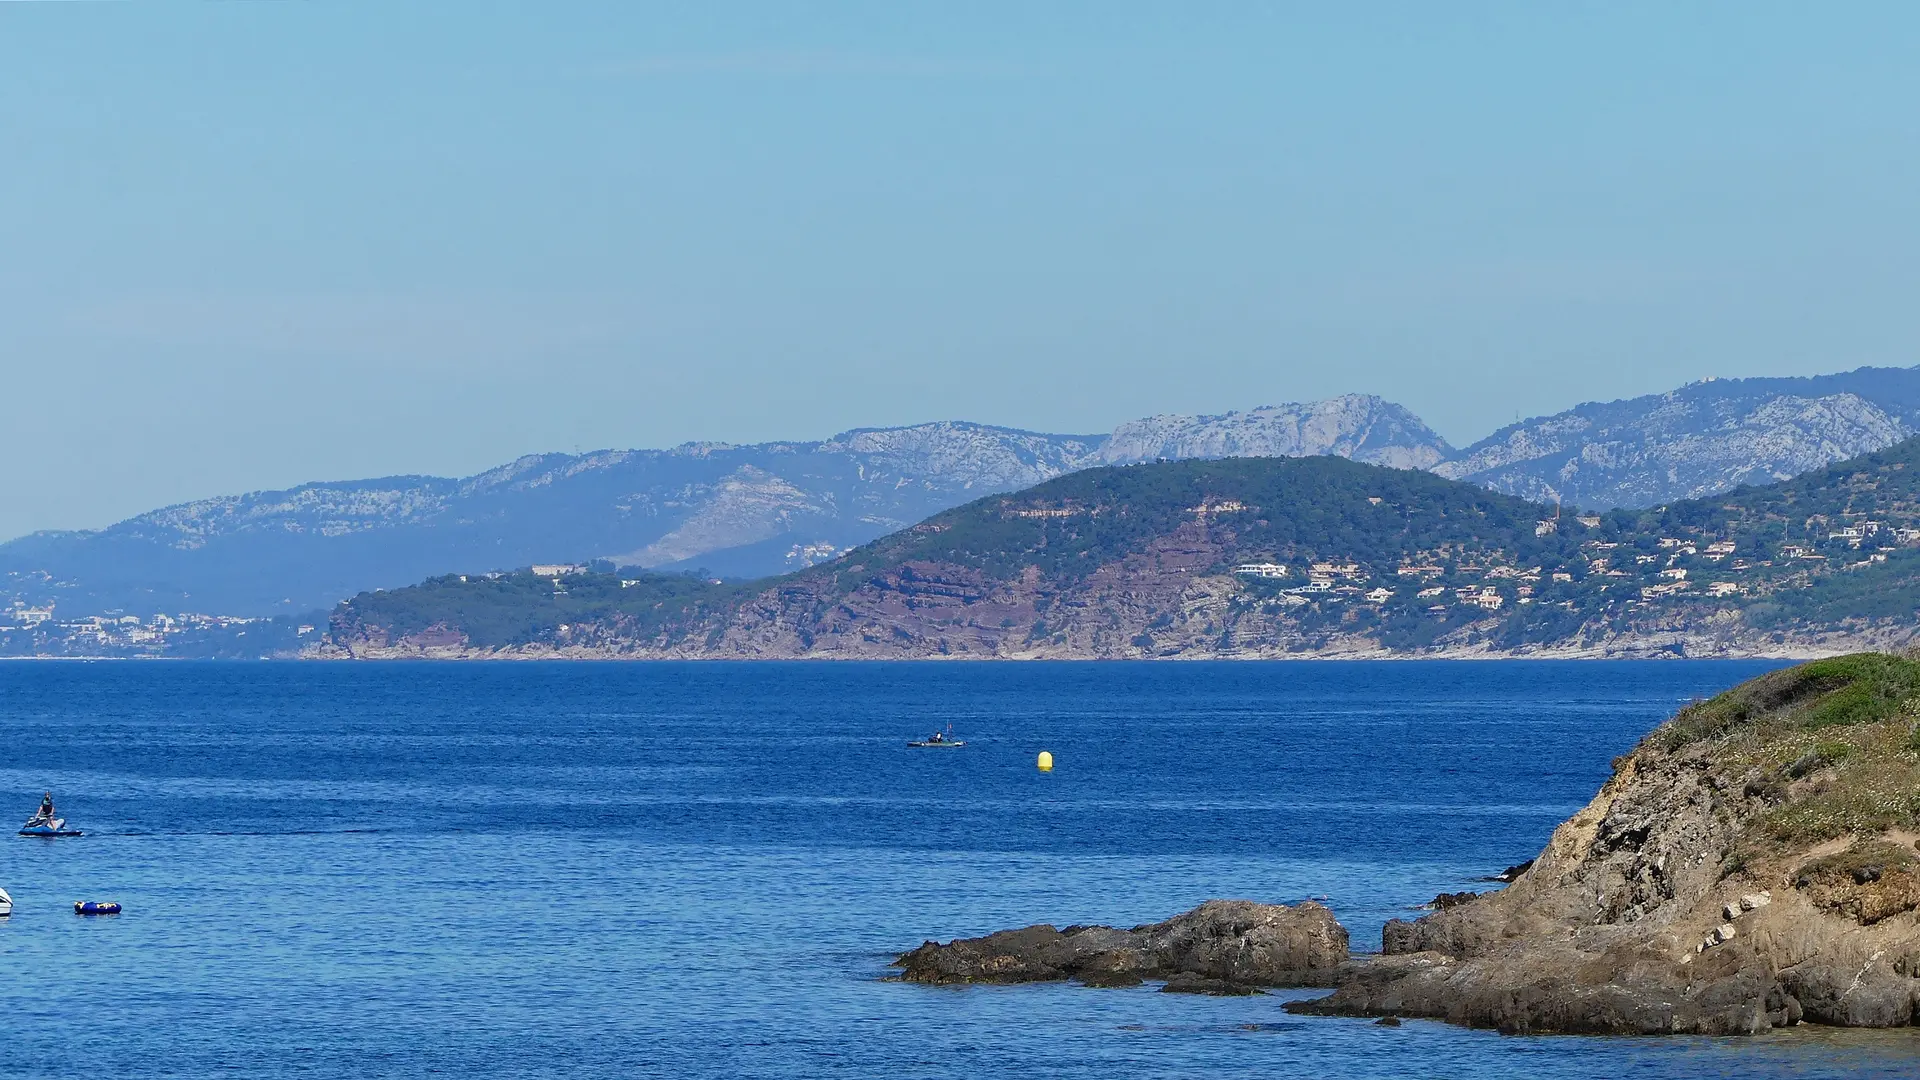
x=1045, y=761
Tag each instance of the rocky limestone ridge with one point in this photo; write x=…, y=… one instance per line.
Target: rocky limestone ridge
x=1358, y=426
x=1700, y=440
x=1220, y=947
x=1751, y=864
x=975, y=457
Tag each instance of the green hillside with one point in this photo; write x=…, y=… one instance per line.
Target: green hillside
x=494, y=611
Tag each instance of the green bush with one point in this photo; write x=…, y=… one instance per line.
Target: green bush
x=1838, y=691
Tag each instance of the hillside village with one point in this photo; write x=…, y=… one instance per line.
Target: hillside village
x=1753, y=549
x=1698, y=564
x=45, y=630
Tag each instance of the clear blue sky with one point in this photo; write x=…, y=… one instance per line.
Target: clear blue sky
x=249, y=245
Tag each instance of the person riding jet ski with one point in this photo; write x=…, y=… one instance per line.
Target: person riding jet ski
x=45, y=822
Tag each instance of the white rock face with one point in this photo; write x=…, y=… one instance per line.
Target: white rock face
x=326, y=509
x=969, y=455
x=1358, y=426
x=1682, y=445
x=748, y=506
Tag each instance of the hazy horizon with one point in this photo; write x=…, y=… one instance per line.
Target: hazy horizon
x=252, y=246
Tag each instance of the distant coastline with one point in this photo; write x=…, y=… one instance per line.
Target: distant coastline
x=1651, y=652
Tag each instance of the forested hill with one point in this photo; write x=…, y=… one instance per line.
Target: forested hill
x=1248, y=557
x=1300, y=508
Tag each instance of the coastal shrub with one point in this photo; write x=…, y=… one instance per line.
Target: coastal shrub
x=1841, y=690
x=1832, y=753
x=1861, y=805
x=1877, y=686
x=1408, y=632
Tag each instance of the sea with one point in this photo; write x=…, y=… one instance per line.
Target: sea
x=704, y=869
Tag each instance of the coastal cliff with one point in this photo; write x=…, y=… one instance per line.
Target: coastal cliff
x=1751, y=864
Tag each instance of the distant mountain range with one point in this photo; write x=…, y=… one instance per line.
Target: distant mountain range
x=1245, y=558
x=750, y=511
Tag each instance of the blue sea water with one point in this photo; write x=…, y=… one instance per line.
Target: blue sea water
x=702, y=870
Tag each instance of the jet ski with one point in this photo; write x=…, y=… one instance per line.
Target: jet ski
x=6, y=903
x=940, y=739
x=95, y=907
x=41, y=825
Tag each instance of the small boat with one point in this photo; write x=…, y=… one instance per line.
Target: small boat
x=46, y=826
x=6, y=903
x=95, y=907
x=941, y=739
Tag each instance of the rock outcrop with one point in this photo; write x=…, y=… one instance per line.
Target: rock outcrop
x=1220, y=947
x=1751, y=864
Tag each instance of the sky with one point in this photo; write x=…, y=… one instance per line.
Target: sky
x=244, y=246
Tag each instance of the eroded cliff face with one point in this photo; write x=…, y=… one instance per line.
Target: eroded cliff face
x=1159, y=601
x=1749, y=865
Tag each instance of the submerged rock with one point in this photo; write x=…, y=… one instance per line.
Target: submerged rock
x=1184, y=983
x=1222, y=946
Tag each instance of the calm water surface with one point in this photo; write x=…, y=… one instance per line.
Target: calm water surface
x=702, y=870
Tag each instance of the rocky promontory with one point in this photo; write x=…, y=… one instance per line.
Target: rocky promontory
x=1222, y=946
x=1750, y=864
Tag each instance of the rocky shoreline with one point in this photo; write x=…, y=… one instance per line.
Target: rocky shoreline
x=1752, y=864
